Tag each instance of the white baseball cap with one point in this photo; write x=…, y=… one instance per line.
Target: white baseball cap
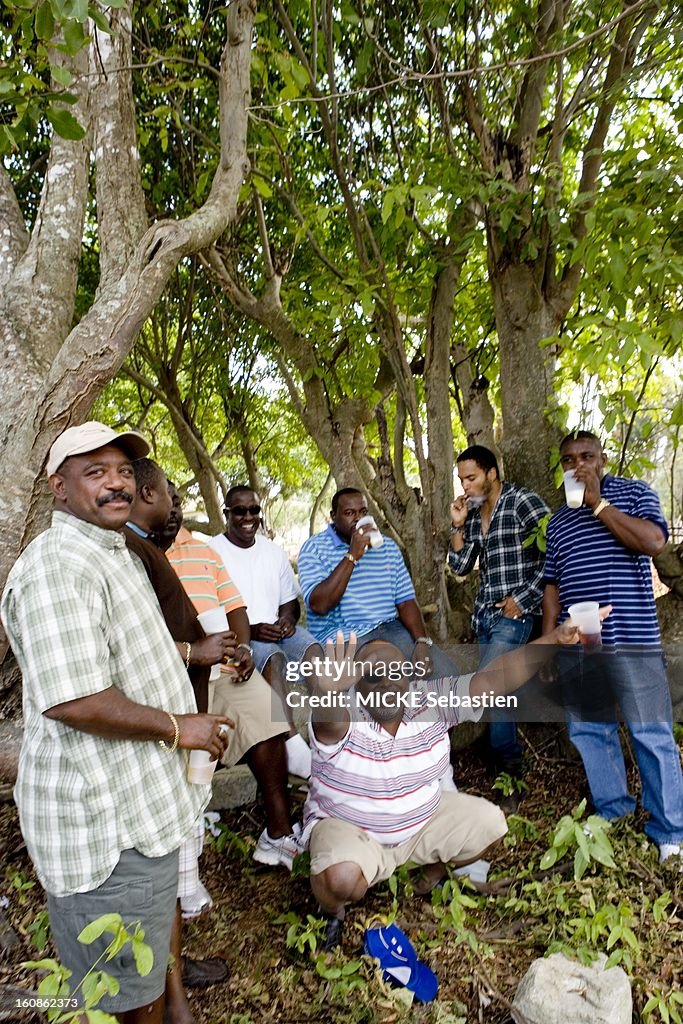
x=88, y=438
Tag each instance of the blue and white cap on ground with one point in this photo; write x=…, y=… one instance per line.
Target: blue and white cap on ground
x=399, y=961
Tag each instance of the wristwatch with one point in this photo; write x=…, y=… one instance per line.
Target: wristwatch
x=601, y=506
x=424, y=640
x=245, y=647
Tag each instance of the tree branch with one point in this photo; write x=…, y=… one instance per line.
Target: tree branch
x=14, y=237
x=42, y=289
x=121, y=216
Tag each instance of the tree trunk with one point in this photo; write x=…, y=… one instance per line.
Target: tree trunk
x=50, y=377
x=523, y=320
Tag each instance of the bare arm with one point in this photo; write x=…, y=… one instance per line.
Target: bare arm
x=289, y=613
x=639, y=535
x=551, y=607
x=507, y=673
x=410, y=615
x=239, y=624
x=330, y=724
x=330, y=591
x=112, y=715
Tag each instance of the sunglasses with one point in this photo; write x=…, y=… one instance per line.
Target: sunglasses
x=245, y=510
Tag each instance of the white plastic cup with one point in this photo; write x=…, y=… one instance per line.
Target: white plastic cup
x=573, y=489
x=201, y=768
x=215, y=620
x=585, y=616
x=376, y=538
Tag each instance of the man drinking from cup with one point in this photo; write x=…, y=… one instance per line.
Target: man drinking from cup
x=601, y=552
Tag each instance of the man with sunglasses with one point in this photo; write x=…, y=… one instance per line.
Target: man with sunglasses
x=261, y=572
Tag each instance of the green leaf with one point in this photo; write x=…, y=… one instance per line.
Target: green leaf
x=580, y=864
x=45, y=22
x=144, y=957
x=262, y=187
x=106, y=923
x=41, y=965
x=61, y=75
x=100, y=19
x=548, y=858
x=74, y=36
x=65, y=124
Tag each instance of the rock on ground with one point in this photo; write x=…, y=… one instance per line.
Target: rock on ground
x=557, y=990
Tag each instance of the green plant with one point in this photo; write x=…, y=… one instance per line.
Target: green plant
x=588, y=839
x=302, y=934
x=666, y=1006
x=451, y=906
x=520, y=830
x=39, y=930
x=20, y=883
x=537, y=535
x=96, y=983
x=228, y=842
x=508, y=784
x=301, y=866
x=344, y=977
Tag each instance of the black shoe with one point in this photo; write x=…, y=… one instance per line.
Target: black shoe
x=333, y=934
x=510, y=804
x=204, y=973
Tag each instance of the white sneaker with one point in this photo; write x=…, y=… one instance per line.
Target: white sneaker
x=667, y=850
x=277, y=852
x=477, y=871
x=196, y=903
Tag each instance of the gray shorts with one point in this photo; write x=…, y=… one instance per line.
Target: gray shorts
x=139, y=889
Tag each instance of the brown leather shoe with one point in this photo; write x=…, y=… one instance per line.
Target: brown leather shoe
x=204, y=973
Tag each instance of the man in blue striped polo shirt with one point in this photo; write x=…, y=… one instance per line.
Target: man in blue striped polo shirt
x=602, y=552
x=350, y=586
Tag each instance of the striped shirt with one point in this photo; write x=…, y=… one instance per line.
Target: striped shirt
x=387, y=785
x=203, y=574
x=82, y=617
x=506, y=567
x=586, y=562
x=378, y=583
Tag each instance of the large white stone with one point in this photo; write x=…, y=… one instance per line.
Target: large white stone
x=556, y=990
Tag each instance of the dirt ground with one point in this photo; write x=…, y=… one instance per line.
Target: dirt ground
x=478, y=956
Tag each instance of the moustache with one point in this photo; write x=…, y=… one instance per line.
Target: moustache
x=116, y=496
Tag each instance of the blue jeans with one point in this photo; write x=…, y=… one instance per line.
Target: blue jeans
x=498, y=634
x=636, y=683
x=396, y=633
x=292, y=648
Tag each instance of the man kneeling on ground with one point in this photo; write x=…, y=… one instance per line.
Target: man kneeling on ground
x=379, y=749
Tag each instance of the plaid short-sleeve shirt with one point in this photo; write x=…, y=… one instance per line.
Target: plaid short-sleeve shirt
x=82, y=617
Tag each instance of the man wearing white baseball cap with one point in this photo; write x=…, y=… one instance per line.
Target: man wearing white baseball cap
x=90, y=437
x=104, y=803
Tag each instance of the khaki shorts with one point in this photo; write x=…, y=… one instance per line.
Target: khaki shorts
x=255, y=708
x=462, y=828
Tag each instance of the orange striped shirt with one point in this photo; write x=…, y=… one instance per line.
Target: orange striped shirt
x=203, y=574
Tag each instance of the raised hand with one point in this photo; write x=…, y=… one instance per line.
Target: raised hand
x=338, y=670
